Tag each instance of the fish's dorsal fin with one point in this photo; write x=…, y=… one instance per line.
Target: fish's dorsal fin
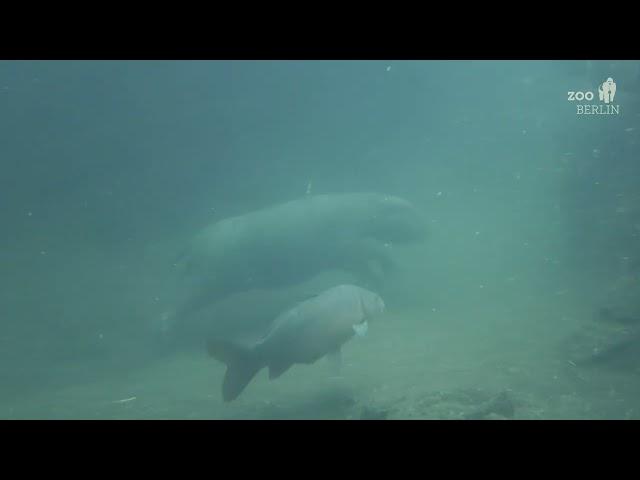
x=308, y=296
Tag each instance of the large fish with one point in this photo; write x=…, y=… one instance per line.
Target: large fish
x=290, y=243
x=304, y=334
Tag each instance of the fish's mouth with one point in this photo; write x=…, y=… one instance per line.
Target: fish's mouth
x=361, y=328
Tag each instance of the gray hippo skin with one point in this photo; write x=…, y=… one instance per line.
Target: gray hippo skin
x=289, y=243
x=301, y=335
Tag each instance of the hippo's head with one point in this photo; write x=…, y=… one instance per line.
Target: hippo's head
x=395, y=219
x=371, y=305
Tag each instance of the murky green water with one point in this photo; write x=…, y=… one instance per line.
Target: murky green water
x=521, y=302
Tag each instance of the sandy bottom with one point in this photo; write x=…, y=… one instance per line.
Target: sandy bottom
x=414, y=365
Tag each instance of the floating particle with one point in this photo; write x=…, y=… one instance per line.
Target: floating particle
x=125, y=400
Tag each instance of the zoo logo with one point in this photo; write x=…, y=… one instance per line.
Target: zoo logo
x=606, y=94
x=607, y=91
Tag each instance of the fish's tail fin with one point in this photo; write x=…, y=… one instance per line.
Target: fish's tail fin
x=242, y=365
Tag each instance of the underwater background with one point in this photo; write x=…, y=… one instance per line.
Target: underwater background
x=522, y=301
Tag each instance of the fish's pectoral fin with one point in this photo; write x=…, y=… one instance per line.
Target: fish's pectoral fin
x=278, y=368
x=307, y=296
x=335, y=361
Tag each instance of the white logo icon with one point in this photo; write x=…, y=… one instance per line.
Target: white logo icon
x=607, y=91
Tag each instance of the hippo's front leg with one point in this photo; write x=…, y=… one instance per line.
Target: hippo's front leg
x=381, y=253
x=371, y=261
